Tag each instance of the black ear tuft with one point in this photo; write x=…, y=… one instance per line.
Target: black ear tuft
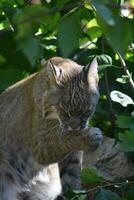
x=93, y=67
x=90, y=73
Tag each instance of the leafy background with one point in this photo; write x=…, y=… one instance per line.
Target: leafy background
x=32, y=30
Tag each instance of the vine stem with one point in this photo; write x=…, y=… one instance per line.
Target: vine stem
x=109, y=185
x=102, y=186
x=131, y=82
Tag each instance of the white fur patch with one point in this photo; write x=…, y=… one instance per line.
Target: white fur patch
x=46, y=185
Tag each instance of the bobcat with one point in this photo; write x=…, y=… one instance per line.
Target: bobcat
x=43, y=120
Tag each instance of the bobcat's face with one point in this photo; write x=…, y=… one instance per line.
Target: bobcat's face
x=76, y=95
x=77, y=104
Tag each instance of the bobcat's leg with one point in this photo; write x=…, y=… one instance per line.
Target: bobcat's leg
x=9, y=185
x=71, y=165
x=70, y=168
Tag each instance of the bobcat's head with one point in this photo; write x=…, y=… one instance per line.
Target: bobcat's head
x=72, y=92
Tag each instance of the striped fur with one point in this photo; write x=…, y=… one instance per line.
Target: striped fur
x=35, y=116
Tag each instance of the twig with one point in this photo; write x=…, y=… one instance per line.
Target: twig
x=109, y=185
x=131, y=82
x=103, y=186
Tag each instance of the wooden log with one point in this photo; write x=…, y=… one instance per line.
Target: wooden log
x=110, y=161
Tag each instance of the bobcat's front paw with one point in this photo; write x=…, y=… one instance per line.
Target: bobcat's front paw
x=95, y=136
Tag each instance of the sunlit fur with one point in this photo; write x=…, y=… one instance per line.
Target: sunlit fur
x=35, y=114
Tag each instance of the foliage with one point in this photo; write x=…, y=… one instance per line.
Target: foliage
x=89, y=176
x=107, y=194
x=127, y=141
x=78, y=30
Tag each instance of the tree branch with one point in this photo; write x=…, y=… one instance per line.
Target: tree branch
x=131, y=82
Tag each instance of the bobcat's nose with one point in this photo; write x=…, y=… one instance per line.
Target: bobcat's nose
x=74, y=124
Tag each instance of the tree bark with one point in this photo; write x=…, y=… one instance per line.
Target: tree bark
x=110, y=161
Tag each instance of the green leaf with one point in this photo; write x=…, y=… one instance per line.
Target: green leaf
x=82, y=197
x=51, y=21
x=129, y=195
x=121, y=98
x=94, y=32
x=132, y=114
x=103, y=60
x=117, y=29
x=69, y=32
x=119, y=36
x=26, y=22
x=2, y=59
x=13, y=57
x=9, y=76
x=127, y=141
x=107, y=195
x=29, y=14
x=104, y=12
x=125, y=122
x=90, y=176
x=86, y=14
x=124, y=79
x=8, y=9
x=31, y=48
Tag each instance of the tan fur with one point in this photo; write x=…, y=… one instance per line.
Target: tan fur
x=42, y=119
x=22, y=121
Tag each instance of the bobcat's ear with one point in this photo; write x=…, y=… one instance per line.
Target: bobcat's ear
x=90, y=73
x=54, y=72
